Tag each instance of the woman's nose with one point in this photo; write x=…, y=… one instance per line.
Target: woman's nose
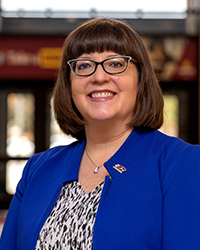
x=100, y=75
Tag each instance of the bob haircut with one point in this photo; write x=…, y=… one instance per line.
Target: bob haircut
x=99, y=35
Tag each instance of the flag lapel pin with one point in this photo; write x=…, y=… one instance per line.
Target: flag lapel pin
x=119, y=168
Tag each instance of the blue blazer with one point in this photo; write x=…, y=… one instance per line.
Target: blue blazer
x=153, y=204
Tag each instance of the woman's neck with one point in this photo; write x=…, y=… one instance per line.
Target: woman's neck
x=106, y=138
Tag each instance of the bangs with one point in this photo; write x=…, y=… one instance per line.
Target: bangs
x=97, y=38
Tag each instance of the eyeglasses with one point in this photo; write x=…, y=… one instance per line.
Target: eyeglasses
x=111, y=65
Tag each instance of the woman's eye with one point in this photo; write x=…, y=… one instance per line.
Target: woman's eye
x=83, y=66
x=115, y=64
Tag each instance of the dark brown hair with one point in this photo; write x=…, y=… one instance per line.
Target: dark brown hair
x=99, y=35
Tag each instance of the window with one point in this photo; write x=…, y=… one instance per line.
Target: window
x=20, y=136
x=20, y=125
x=153, y=5
x=57, y=137
x=14, y=170
x=171, y=115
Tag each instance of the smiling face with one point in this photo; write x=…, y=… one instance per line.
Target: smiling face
x=102, y=96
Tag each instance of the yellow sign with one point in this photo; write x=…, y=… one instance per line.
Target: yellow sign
x=50, y=58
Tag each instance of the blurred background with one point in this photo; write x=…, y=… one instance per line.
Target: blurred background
x=31, y=38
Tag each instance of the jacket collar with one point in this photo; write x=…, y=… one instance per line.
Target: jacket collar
x=117, y=165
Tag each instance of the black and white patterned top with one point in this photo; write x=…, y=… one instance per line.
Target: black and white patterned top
x=70, y=223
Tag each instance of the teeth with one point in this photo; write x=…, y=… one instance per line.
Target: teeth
x=103, y=94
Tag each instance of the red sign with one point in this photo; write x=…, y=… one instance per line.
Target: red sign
x=30, y=57
x=186, y=68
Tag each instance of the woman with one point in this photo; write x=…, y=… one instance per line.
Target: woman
x=122, y=184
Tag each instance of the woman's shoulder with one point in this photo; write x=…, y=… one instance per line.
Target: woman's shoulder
x=172, y=142
x=54, y=155
x=168, y=146
x=59, y=150
x=176, y=150
x=50, y=162
x=159, y=137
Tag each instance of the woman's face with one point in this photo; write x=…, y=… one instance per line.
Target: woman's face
x=105, y=97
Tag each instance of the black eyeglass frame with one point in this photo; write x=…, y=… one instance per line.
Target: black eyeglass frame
x=129, y=58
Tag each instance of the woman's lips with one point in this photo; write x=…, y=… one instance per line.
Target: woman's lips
x=101, y=94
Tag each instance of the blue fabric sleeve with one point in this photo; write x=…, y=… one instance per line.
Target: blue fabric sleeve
x=181, y=200
x=9, y=234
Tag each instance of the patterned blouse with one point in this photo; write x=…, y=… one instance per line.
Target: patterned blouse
x=70, y=223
